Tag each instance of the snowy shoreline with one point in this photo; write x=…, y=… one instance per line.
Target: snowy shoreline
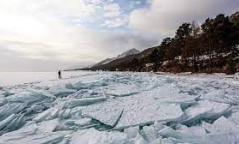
x=122, y=108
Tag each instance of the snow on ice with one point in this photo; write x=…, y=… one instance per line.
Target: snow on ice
x=122, y=108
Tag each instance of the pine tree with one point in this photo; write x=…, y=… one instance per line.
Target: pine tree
x=182, y=34
x=209, y=39
x=154, y=58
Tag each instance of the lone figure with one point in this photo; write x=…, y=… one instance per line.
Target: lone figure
x=59, y=74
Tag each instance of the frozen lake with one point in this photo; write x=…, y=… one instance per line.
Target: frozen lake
x=119, y=108
x=12, y=78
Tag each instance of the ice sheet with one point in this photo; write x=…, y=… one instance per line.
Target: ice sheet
x=205, y=110
x=127, y=108
x=92, y=136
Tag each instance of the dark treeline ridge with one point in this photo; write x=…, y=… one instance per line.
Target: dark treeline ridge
x=210, y=47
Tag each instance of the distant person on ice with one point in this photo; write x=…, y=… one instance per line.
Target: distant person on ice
x=59, y=74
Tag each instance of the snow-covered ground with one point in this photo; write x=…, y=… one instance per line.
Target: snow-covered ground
x=122, y=108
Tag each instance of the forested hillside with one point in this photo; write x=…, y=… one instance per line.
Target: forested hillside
x=209, y=47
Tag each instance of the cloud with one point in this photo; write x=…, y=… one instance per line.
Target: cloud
x=116, y=22
x=114, y=17
x=162, y=17
x=112, y=10
x=44, y=33
x=51, y=34
x=138, y=2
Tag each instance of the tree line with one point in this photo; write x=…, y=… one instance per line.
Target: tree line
x=209, y=47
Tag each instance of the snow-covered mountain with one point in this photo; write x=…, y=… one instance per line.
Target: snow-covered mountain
x=127, y=53
x=235, y=18
x=103, y=62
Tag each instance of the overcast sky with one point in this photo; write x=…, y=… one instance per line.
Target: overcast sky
x=46, y=35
